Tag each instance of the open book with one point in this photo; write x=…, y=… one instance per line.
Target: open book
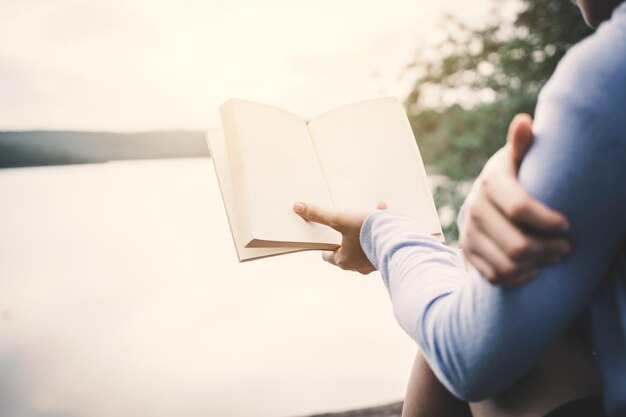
x=352, y=157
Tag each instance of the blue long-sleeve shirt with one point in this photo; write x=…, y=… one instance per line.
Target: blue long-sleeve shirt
x=479, y=338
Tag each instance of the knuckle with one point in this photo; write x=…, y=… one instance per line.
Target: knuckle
x=486, y=183
x=469, y=256
x=518, y=208
x=474, y=213
x=471, y=253
x=341, y=263
x=333, y=221
x=487, y=274
x=507, y=270
x=311, y=213
x=329, y=257
x=468, y=238
x=519, y=248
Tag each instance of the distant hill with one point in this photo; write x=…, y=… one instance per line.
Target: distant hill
x=34, y=148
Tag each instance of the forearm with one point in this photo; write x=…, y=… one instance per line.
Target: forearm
x=432, y=301
x=477, y=338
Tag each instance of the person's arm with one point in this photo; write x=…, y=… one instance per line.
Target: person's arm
x=479, y=338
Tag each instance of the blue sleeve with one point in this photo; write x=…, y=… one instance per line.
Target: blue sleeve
x=479, y=338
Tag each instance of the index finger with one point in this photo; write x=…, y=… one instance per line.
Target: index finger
x=523, y=208
x=312, y=213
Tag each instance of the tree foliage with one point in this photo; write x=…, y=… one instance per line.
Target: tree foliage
x=470, y=86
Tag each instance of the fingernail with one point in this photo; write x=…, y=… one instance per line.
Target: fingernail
x=298, y=208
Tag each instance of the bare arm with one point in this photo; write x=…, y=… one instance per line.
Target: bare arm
x=427, y=397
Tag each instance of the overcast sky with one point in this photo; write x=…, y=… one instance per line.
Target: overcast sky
x=147, y=64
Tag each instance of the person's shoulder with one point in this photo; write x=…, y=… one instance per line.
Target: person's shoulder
x=596, y=62
x=591, y=77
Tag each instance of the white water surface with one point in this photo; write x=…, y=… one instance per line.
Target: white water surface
x=120, y=295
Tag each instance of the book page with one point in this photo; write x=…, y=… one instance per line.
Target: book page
x=217, y=148
x=274, y=165
x=368, y=153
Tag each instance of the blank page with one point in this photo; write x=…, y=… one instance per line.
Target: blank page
x=274, y=165
x=368, y=153
x=217, y=147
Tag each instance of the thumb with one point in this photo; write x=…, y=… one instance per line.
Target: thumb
x=382, y=206
x=520, y=137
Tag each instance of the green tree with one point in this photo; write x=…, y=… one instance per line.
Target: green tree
x=476, y=80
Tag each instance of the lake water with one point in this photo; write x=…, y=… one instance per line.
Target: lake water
x=120, y=295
